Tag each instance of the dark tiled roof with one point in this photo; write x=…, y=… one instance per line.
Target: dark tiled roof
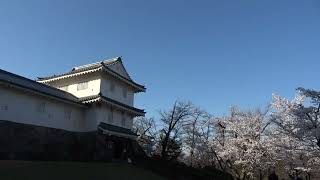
x=105, y=64
x=71, y=72
x=87, y=98
x=117, y=129
x=32, y=85
x=112, y=101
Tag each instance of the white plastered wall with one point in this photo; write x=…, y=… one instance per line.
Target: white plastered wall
x=117, y=93
x=93, y=80
x=103, y=112
x=23, y=107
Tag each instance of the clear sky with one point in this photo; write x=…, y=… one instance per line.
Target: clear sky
x=214, y=53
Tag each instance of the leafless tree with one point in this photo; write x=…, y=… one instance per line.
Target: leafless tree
x=196, y=135
x=146, y=130
x=173, y=121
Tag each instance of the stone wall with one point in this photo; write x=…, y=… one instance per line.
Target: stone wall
x=28, y=142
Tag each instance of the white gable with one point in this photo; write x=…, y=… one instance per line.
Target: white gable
x=119, y=68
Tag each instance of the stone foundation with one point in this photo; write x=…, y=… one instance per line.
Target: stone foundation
x=28, y=142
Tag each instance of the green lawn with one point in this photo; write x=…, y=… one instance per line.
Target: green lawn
x=72, y=170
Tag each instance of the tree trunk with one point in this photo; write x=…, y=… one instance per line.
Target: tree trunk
x=164, y=146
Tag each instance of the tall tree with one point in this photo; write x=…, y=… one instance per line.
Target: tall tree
x=243, y=146
x=173, y=120
x=146, y=130
x=196, y=134
x=298, y=123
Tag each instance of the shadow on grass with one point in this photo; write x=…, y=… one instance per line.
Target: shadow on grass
x=16, y=170
x=179, y=171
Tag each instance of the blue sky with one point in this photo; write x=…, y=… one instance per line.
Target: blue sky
x=214, y=53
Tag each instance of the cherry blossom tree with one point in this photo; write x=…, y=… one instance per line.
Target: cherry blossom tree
x=298, y=132
x=243, y=146
x=248, y=144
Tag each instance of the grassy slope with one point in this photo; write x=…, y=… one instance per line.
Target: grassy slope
x=72, y=170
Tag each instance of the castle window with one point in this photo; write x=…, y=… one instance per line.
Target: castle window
x=123, y=120
x=82, y=86
x=124, y=92
x=110, y=116
x=67, y=113
x=109, y=144
x=41, y=107
x=4, y=108
x=50, y=116
x=112, y=86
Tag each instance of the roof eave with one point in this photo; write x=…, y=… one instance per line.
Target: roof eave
x=141, y=89
x=99, y=98
x=44, y=80
x=136, y=86
x=34, y=91
x=108, y=132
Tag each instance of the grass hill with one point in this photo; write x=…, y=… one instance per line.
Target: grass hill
x=26, y=170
